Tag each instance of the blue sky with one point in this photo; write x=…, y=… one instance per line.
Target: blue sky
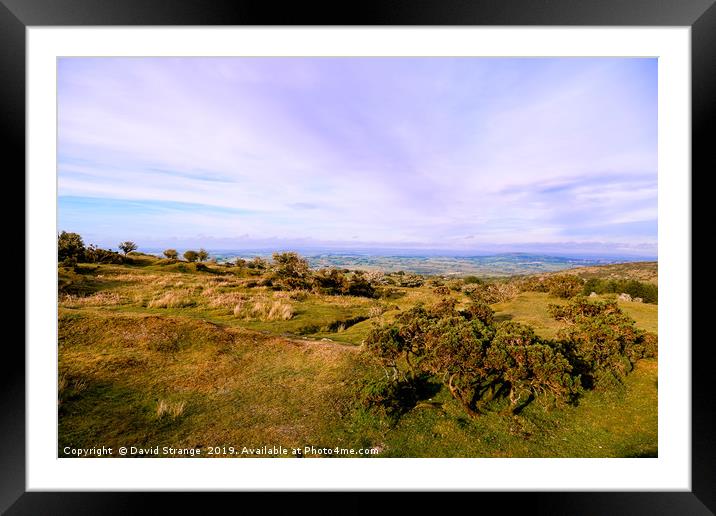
x=480, y=154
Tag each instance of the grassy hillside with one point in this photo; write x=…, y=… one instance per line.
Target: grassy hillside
x=160, y=353
x=531, y=308
x=640, y=271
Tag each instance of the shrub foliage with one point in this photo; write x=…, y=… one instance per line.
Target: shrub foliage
x=482, y=362
x=477, y=360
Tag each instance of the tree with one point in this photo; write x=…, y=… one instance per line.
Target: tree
x=171, y=254
x=191, y=256
x=70, y=246
x=127, y=247
x=202, y=255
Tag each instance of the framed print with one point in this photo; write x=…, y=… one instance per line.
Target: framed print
x=436, y=249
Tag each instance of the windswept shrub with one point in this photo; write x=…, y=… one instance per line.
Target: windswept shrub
x=358, y=285
x=257, y=263
x=402, y=279
x=648, y=292
x=70, y=246
x=94, y=254
x=476, y=360
x=530, y=366
x=490, y=293
x=532, y=284
x=290, y=271
x=564, y=286
x=480, y=311
x=581, y=307
x=329, y=281
x=375, y=277
x=603, y=341
x=191, y=255
x=127, y=247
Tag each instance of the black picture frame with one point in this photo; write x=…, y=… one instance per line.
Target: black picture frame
x=17, y=15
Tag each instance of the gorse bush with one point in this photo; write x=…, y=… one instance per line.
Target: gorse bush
x=94, y=254
x=490, y=293
x=533, y=284
x=482, y=362
x=329, y=281
x=481, y=311
x=648, y=292
x=476, y=360
x=290, y=271
x=70, y=246
x=602, y=341
x=358, y=285
x=564, y=286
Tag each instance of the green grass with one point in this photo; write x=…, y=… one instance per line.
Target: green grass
x=241, y=382
x=640, y=271
x=531, y=308
x=602, y=425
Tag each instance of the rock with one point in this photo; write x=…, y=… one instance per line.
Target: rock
x=638, y=300
x=593, y=294
x=624, y=297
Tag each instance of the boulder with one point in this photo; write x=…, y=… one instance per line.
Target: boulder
x=624, y=297
x=593, y=294
x=638, y=300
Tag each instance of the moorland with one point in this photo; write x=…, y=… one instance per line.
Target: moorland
x=189, y=352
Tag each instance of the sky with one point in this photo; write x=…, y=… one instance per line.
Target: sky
x=462, y=154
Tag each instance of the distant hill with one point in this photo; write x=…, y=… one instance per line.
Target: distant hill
x=641, y=271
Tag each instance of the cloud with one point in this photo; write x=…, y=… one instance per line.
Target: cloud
x=434, y=151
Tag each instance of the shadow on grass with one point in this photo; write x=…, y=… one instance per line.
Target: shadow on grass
x=652, y=453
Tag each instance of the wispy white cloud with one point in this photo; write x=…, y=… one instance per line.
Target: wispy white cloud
x=443, y=152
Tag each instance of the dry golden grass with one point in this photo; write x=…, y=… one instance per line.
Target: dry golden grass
x=377, y=310
x=224, y=300
x=170, y=409
x=172, y=299
x=131, y=277
x=102, y=298
x=264, y=309
x=348, y=301
x=640, y=271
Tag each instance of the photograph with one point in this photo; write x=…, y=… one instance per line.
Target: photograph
x=357, y=257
